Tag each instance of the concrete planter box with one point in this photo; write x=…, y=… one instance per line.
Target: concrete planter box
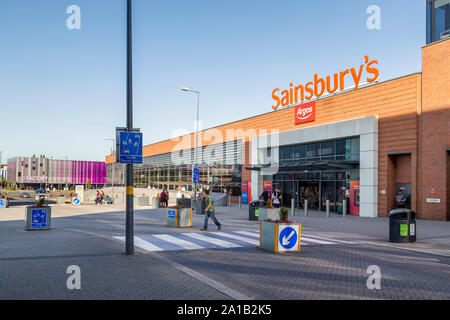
x=179, y=217
x=269, y=214
x=38, y=218
x=280, y=236
x=61, y=200
x=185, y=202
x=143, y=201
x=200, y=206
x=156, y=201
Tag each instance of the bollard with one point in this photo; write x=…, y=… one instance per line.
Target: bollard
x=229, y=201
x=240, y=202
x=344, y=208
x=293, y=206
x=328, y=208
x=306, y=207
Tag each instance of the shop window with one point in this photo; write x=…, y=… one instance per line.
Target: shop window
x=300, y=152
x=442, y=18
x=311, y=151
x=327, y=150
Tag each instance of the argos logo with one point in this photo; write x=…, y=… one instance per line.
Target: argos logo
x=305, y=112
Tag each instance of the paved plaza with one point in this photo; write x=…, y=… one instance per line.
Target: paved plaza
x=188, y=264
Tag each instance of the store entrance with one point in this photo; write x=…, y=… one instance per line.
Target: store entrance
x=308, y=190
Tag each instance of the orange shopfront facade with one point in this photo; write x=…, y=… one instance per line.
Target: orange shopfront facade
x=365, y=144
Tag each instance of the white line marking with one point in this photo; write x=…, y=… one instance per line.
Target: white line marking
x=221, y=243
x=253, y=234
x=180, y=242
x=232, y=236
x=141, y=243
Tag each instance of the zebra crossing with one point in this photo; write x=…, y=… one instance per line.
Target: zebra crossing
x=213, y=240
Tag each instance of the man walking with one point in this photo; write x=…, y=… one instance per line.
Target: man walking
x=401, y=199
x=209, y=213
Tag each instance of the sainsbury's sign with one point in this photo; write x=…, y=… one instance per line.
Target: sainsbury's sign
x=305, y=112
x=319, y=86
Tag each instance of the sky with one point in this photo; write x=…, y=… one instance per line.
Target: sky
x=63, y=91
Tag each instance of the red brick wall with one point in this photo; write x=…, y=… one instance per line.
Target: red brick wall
x=434, y=138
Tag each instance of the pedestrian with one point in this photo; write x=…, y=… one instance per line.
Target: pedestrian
x=276, y=196
x=163, y=199
x=97, y=198
x=210, y=213
x=401, y=199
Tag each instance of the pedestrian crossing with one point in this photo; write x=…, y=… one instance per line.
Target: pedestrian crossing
x=213, y=240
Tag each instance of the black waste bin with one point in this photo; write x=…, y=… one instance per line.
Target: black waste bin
x=253, y=209
x=402, y=225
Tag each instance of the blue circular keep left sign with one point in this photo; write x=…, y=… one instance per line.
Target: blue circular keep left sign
x=76, y=201
x=288, y=237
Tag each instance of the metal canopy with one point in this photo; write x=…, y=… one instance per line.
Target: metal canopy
x=319, y=165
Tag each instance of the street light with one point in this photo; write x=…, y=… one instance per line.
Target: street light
x=196, y=134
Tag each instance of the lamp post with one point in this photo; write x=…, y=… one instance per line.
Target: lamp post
x=196, y=135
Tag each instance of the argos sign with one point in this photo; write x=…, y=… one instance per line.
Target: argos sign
x=305, y=112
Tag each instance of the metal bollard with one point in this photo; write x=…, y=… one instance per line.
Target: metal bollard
x=229, y=201
x=293, y=206
x=328, y=208
x=240, y=202
x=344, y=208
x=306, y=207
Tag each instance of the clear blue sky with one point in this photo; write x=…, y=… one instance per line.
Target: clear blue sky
x=62, y=92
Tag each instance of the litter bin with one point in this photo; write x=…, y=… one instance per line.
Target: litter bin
x=200, y=206
x=402, y=225
x=253, y=209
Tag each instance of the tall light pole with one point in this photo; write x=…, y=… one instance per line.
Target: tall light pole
x=129, y=220
x=196, y=135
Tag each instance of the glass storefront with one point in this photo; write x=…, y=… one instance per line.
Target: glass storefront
x=317, y=172
x=220, y=169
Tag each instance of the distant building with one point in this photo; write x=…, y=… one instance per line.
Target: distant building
x=3, y=171
x=34, y=172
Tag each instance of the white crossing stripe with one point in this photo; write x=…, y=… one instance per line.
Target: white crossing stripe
x=143, y=244
x=253, y=234
x=216, y=241
x=232, y=236
x=179, y=242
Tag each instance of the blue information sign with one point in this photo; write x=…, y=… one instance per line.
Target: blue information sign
x=244, y=199
x=288, y=238
x=38, y=219
x=196, y=175
x=171, y=214
x=130, y=147
x=2, y=203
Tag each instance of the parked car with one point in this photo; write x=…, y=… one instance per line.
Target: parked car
x=41, y=196
x=25, y=195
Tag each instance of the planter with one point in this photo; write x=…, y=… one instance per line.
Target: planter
x=200, y=206
x=143, y=201
x=156, y=201
x=280, y=236
x=185, y=202
x=4, y=203
x=271, y=214
x=179, y=217
x=60, y=200
x=38, y=218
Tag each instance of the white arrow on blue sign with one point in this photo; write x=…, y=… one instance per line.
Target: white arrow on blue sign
x=196, y=175
x=288, y=238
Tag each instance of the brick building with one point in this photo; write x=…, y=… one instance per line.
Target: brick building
x=364, y=144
